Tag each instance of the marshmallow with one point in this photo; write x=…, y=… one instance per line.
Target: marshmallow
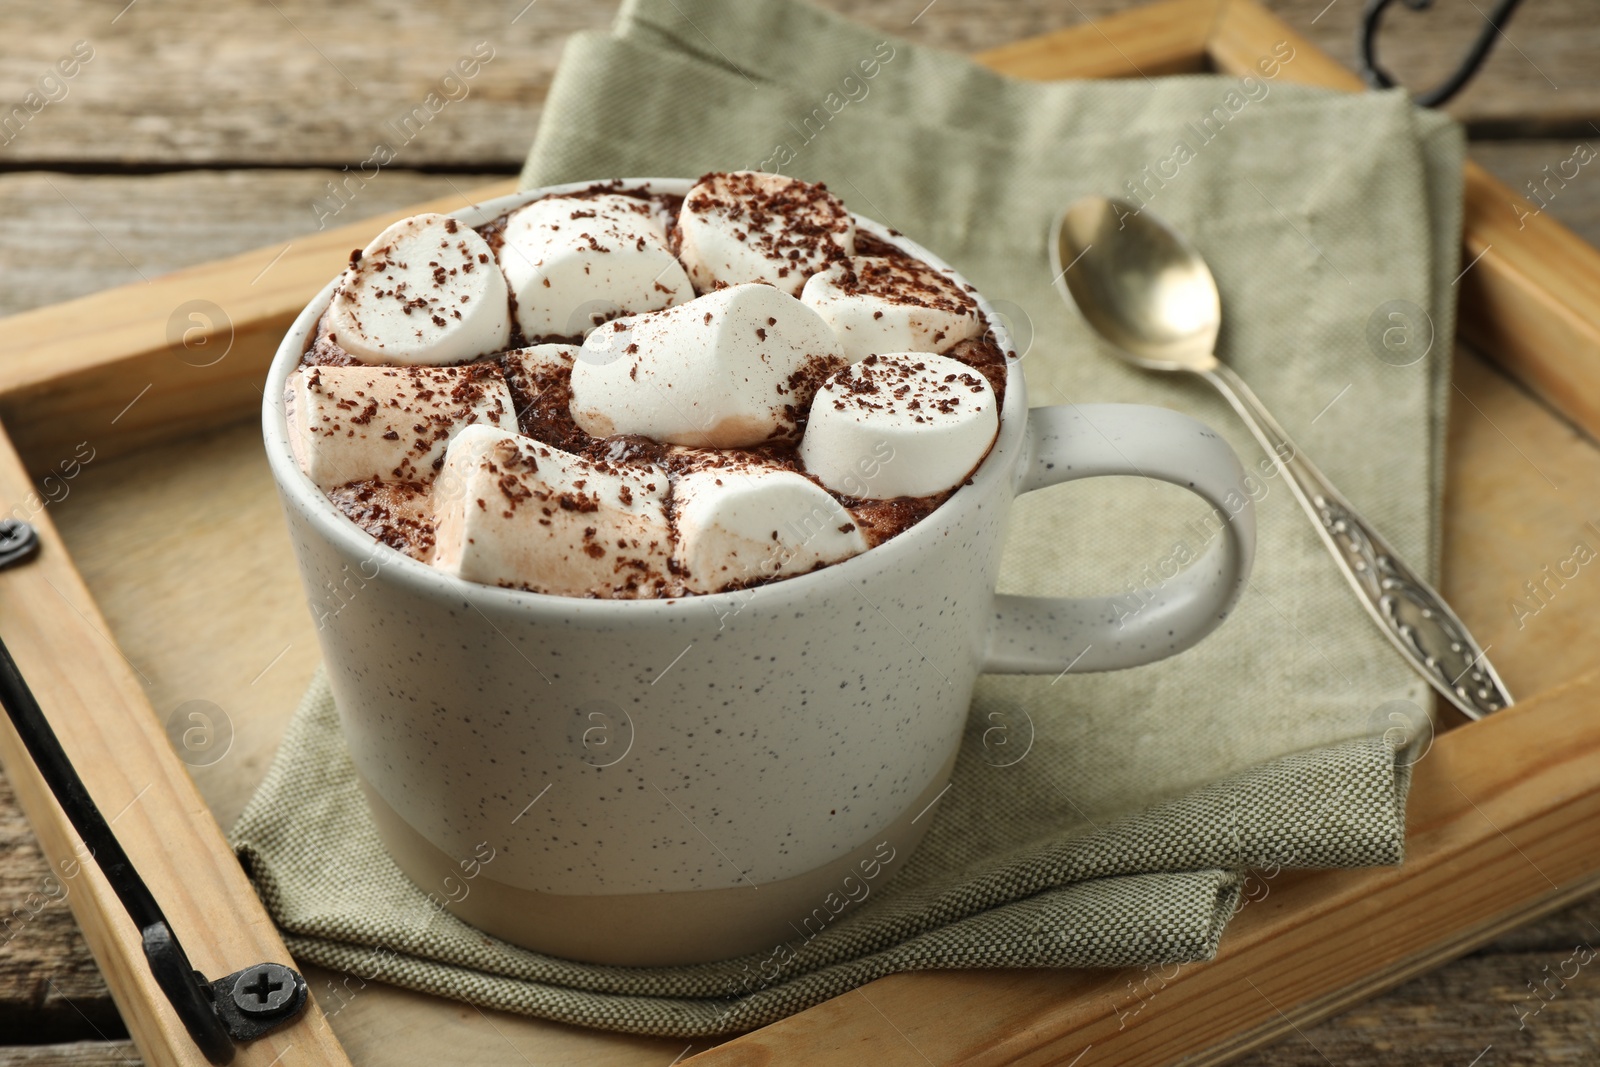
x=727, y=370
x=887, y=305
x=426, y=290
x=575, y=262
x=511, y=511
x=748, y=226
x=738, y=526
x=352, y=424
x=901, y=425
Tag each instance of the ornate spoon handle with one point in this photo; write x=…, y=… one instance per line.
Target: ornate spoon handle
x=1410, y=613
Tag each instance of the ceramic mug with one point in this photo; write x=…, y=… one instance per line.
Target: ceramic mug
x=612, y=780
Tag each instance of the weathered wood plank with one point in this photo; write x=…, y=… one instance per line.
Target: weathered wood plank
x=191, y=82
x=1457, y=1014
x=316, y=84
x=75, y=1054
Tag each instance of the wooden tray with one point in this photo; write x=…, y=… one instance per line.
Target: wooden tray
x=175, y=529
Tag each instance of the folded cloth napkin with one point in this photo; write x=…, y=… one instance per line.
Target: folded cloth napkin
x=1093, y=820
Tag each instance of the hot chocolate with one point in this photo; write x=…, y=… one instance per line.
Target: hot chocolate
x=624, y=395
x=771, y=523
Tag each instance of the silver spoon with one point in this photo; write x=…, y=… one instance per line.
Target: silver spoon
x=1144, y=288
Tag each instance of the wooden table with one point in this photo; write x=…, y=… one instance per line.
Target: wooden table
x=198, y=130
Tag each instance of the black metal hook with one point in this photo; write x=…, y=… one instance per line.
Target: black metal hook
x=241, y=1007
x=1379, y=78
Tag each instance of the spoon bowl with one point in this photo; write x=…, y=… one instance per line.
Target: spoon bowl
x=1138, y=283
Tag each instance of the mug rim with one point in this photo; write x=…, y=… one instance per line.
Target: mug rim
x=422, y=578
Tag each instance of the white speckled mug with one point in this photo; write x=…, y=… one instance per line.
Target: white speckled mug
x=633, y=769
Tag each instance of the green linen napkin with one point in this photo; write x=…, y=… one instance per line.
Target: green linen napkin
x=1093, y=820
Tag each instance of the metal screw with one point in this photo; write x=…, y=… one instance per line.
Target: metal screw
x=18, y=542
x=265, y=989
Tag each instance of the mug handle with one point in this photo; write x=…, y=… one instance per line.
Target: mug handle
x=1047, y=635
